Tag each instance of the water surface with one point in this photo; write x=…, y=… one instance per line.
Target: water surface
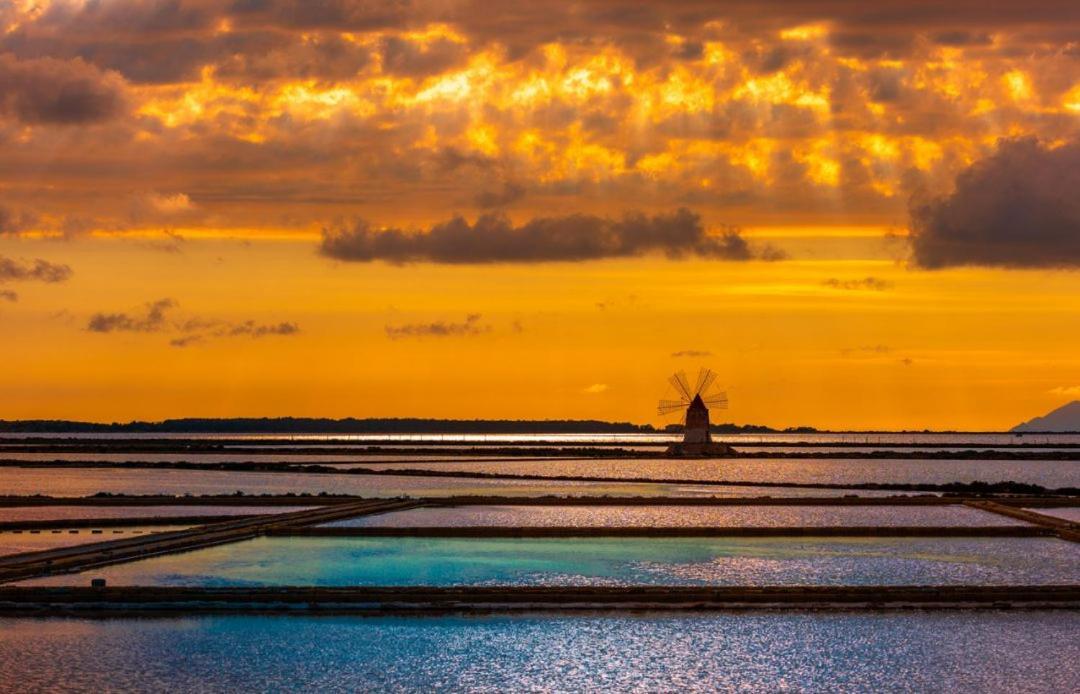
x=17, y=542
x=1069, y=513
x=1046, y=473
x=87, y=482
x=278, y=561
x=978, y=651
x=680, y=516
x=38, y=513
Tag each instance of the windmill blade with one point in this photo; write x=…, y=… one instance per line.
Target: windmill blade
x=669, y=406
x=716, y=400
x=682, y=385
x=705, y=379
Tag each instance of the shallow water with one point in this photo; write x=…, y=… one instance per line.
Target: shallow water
x=86, y=482
x=679, y=516
x=16, y=542
x=746, y=651
x=750, y=651
x=276, y=561
x=1069, y=513
x=214, y=458
x=37, y=513
x=1046, y=473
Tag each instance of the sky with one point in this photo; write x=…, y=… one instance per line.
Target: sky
x=860, y=215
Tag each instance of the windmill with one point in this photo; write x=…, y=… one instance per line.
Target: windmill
x=693, y=403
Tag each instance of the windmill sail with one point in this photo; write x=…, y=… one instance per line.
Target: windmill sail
x=686, y=393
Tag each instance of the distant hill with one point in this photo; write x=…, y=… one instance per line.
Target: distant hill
x=307, y=425
x=1064, y=418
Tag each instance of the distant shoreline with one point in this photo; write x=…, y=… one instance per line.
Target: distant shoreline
x=412, y=425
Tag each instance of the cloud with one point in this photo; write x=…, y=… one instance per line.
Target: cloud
x=404, y=57
x=493, y=238
x=865, y=283
x=1017, y=208
x=1067, y=391
x=172, y=243
x=37, y=270
x=510, y=192
x=274, y=113
x=254, y=329
x=471, y=326
x=155, y=317
x=13, y=221
x=53, y=91
x=152, y=319
x=152, y=207
x=691, y=353
x=865, y=350
x=177, y=203
x=340, y=14
x=960, y=37
x=595, y=389
x=8, y=295
x=197, y=332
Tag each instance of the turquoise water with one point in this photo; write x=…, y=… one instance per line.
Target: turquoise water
x=748, y=651
x=271, y=561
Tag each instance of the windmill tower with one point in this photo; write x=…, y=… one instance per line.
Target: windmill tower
x=694, y=403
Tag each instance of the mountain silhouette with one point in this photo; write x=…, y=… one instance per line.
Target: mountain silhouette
x=1064, y=418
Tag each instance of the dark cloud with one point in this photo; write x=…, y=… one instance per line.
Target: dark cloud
x=197, y=331
x=450, y=159
x=254, y=329
x=13, y=221
x=871, y=44
x=150, y=320
x=173, y=243
x=959, y=37
x=510, y=192
x=37, y=270
x=47, y=90
x=199, y=32
x=323, y=56
x=153, y=17
x=691, y=353
x=1018, y=208
x=471, y=326
x=493, y=239
x=865, y=350
x=870, y=283
x=156, y=318
x=415, y=59
x=886, y=84
x=8, y=295
x=256, y=55
x=344, y=15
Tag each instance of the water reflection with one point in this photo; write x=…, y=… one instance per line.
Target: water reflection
x=680, y=516
x=748, y=651
x=604, y=561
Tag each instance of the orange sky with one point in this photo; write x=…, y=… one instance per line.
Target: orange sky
x=322, y=209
